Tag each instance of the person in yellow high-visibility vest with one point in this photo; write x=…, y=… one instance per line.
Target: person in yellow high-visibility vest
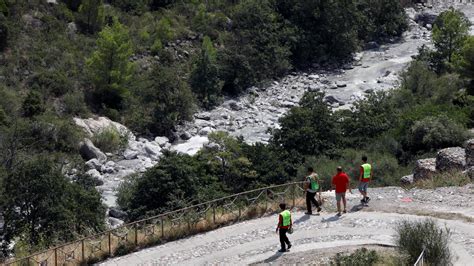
x=364, y=179
x=284, y=224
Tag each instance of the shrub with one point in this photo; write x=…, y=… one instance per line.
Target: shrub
x=432, y=133
x=74, y=104
x=33, y=104
x=412, y=236
x=110, y=140
x=361, y=257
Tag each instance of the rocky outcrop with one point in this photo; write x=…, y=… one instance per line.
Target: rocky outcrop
x=89, y=151
x=451, y=159
x=93, y=126
x=424, y=169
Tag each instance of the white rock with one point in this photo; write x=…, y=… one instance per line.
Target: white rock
x=94, y=174
x=130, y=154
x=162, y=141
x=205, y=131
x=93, y=164
x=153, y=150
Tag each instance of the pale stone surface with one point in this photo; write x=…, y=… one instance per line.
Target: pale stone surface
x=424, y=169
x=451, y=159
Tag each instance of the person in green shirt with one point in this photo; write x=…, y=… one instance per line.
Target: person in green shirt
x=311, y=186
x=285, y=222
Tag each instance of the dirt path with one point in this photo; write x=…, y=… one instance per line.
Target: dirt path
x=255, y=241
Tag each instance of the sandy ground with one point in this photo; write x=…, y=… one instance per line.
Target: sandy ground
x=255, y=241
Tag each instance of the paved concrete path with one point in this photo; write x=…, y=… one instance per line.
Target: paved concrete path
x=256, y=241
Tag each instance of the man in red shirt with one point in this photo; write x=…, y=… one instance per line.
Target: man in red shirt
x=340, y=182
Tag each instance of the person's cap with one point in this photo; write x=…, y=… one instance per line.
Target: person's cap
x=339, y=168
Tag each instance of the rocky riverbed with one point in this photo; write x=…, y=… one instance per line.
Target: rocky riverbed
x=252, y=114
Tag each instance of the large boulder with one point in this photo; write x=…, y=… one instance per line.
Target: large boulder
x=93, y=164
x=470, y=153
x=451, y=159
x=93, y=126
x=407, y=179
x=117, y=213
x=424, y=169
x=89, y=151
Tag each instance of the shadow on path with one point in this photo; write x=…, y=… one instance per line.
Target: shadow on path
x=302, y=219
x=330, y=219
x=357, y=208
x=273, y=257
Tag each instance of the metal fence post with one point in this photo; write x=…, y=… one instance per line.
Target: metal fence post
x=110, y=243
x=214, y=214
x=83, y=251
x=294, y=195
x=56, y=256
x=162, y=228
x=136, y=234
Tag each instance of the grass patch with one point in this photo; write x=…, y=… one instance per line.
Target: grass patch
x=110, y=140
x=361, y=257
x=447, y=179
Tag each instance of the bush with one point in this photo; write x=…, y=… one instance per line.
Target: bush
x=110, y=140
x=310, y=129
x=33, y=104
x=361, y=257
x=412, y=236
x=74, y=104
x=432, y=133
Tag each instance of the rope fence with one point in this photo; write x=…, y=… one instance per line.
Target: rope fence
x=168, y=226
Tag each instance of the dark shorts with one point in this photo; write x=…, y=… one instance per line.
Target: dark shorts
x=363, y=186
x=341, y=195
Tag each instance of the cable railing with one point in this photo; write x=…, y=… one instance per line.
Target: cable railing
x=421, y=259
x=168, y=226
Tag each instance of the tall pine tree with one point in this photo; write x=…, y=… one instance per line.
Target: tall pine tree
x=204, y=78
x=109, y=66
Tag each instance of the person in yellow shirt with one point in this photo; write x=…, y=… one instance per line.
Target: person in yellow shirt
x=285, y=223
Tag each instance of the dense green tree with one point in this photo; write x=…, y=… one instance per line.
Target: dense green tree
x=464, y=61
x=204, y=79
x=91, y=14
x=73, y=4
x=136, y=6
x=39, y=205
x=3, y=32
x=325, y=29
x=432, y=133
x=4, y=8
x=310, y=129
x=109, y=66
x=381, y=19
x=164, y=101
x=257, y=49
x=368, y=118
x=450, y=30
x=33, y=104
x=175, y=177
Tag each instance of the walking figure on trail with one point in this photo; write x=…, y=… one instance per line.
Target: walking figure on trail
x=311, y=186
x=341, y=182
x=285, y=223
x=364, y=179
